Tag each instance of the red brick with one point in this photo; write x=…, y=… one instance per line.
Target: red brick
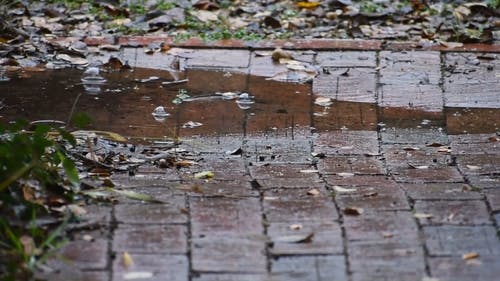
x=381, y=226
x=441, y=191
x=309, y=268
x=344, y=115
x=163, y=267
x=88, y=255
x=346, y=59
x=359, y=165
x=358, y=85
x=454, y=212
x=446, y=174
x=458, y=240
x=493, y=196
x=215, y=216
x=457, y=269
x=151, y=214
x=150, y=239
x=229, y=253
x=327, y=238
x=347, y=142
x=386, y=260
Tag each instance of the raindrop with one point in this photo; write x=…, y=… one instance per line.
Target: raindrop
x=3, y=76
x=245, y=101
x=92, y=80
x=160, y=113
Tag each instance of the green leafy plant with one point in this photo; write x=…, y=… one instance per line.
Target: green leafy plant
x=34, y=170
x=495, y=4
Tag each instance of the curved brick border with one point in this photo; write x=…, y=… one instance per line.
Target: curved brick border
x=315, y=44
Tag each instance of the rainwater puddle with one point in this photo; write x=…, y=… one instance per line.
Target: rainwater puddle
x=144, y=104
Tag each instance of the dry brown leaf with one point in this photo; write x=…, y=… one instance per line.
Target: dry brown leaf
x=353, y=211
x=470, y=256
x=279, y=54
x=298, y=238
x=494, y=139
x=370, y=194
x=313, y=192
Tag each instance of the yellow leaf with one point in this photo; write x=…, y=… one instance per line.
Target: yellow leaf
x=470, y=256
x=127, y=260
x=308, y=5
x=204, y=175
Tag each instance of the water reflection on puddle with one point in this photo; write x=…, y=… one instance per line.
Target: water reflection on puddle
x=209, y=103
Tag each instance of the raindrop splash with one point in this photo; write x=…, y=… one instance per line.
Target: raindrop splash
x=160, y=114
x=92, y=80
x=245, y=101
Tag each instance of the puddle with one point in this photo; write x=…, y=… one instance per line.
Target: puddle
x=143, y=104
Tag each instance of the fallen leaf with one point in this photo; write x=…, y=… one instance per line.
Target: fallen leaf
x=434, y=144
x=76, y=210
x=340, y=189
x=184, y=163
x=87, y=237
x=494, y=139
x=470, y=256
x=279, y=54
x=445, y=149
x=370, y=194
x=104, y=134
x=410, y=148
x=345, y=175
x=237, y=151
x=136, y=196
x=386, y=234
x=323, y=101
x=420, y=167
x=137, y=275
x=295, y=239
x=353, y=211
x=28, y=243
x=204, y=175
x=430, y=279
x=205, y=16
x=473, y=167
x=128, y=262
x=451, y=45
x=309, y=171
x=308, y=5
x=422, y=216
x=313, y=192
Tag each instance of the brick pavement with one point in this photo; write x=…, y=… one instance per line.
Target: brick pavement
x=370, y=193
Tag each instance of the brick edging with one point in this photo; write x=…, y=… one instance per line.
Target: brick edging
x=309, y=44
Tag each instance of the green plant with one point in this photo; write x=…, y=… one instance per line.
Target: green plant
x=34, y=170
x=370, y=7
x=495, y=4
x=165, y=5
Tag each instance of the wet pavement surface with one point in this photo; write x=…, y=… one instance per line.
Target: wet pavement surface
x=385, y=166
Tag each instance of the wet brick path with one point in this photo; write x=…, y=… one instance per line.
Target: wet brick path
x=384, y=203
